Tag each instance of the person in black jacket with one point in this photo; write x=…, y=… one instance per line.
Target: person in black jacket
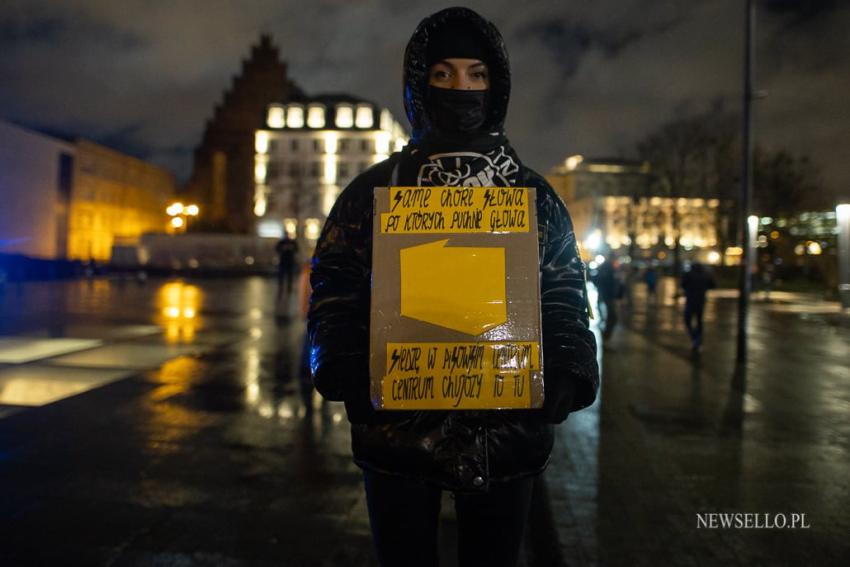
x=456, y=92
x=696, y=282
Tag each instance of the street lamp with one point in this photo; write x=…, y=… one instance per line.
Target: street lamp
x=842, y=218
x=180, y=214
x=752, y=243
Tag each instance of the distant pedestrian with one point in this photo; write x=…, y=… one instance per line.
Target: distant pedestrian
x=287, y=250
x=768, y=276
x=610, y=290
x=696, y=282
x=651, y=279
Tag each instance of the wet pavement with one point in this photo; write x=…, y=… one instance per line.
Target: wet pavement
x=165, y=424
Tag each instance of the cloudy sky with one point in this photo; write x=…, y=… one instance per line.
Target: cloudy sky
x=589, y=77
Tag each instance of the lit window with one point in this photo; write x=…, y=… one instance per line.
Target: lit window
x=382, y=144
x=330, y=168
x=316, y=116
x=365, y=118
x=386, y=121
x=270, y=229
x=344, y=116
x=295, y=116
x=260, y=169
x=330, y=142
x=261, y=142
x=311, y=229
x=275, y=117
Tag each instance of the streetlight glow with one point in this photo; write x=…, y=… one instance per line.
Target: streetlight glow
x=177, y=222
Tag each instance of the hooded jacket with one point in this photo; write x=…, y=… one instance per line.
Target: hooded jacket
x=458, y=450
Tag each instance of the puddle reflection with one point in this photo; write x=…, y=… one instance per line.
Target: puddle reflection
x=178, y=305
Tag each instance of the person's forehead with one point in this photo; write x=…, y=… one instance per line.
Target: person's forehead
x=460, y=62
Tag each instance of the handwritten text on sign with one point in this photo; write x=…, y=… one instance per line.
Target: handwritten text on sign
x=422, y=210
x=460, y=375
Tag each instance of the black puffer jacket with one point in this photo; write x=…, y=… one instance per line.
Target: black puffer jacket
x=459, y=450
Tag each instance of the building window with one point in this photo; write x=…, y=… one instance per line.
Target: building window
x=315, y=169
x=317, y=146
x=275, y=117
x=316, y=116
x=365, y=146
x=342, y=170
x=344, y=116
x=295, y=117
x=272, y=171
x=272, y=145
x=293, y=145
x=343, y=145
x=364, y=117
x=294, y=169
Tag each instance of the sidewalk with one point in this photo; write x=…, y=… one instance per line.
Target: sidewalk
x=677, y=436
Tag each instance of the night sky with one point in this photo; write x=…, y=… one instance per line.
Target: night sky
x=589, y=77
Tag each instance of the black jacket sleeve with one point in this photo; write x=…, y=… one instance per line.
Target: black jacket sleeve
x=338, y=318
x=570, y=369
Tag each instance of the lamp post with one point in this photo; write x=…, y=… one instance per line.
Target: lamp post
x=752, y=244
x=180, y=214
x=744, y=280
x=842, y=218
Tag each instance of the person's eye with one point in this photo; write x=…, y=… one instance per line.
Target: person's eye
x=440, y=75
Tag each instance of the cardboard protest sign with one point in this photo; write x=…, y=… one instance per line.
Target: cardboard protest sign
x=455, y=319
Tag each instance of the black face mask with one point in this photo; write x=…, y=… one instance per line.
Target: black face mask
x=455, y=111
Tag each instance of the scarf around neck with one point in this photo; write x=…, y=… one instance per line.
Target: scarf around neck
x=481, y=160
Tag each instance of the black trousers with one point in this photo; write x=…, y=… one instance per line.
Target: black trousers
x=404, y=515
x=694, y=311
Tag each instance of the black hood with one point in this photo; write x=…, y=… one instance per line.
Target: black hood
x=416, y=69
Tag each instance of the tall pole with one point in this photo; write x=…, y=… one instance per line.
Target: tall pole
x=744, y=282
x=842, y=216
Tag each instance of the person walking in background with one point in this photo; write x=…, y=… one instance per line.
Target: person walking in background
x=651, y=279
x=287, y=250
x=696, y=282
x=608, y=286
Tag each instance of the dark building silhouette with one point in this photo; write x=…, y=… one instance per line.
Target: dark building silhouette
x=222, y=179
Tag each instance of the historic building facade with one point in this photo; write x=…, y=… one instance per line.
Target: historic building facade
x=116, y=198
x=222, y=176
x=615, y=208
x=307, y=153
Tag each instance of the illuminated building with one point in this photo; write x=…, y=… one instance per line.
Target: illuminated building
x=308, y=152
x=116, y=198
x=222, y=176
x=74, y=199
x=35, y=186
x=615, y=208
